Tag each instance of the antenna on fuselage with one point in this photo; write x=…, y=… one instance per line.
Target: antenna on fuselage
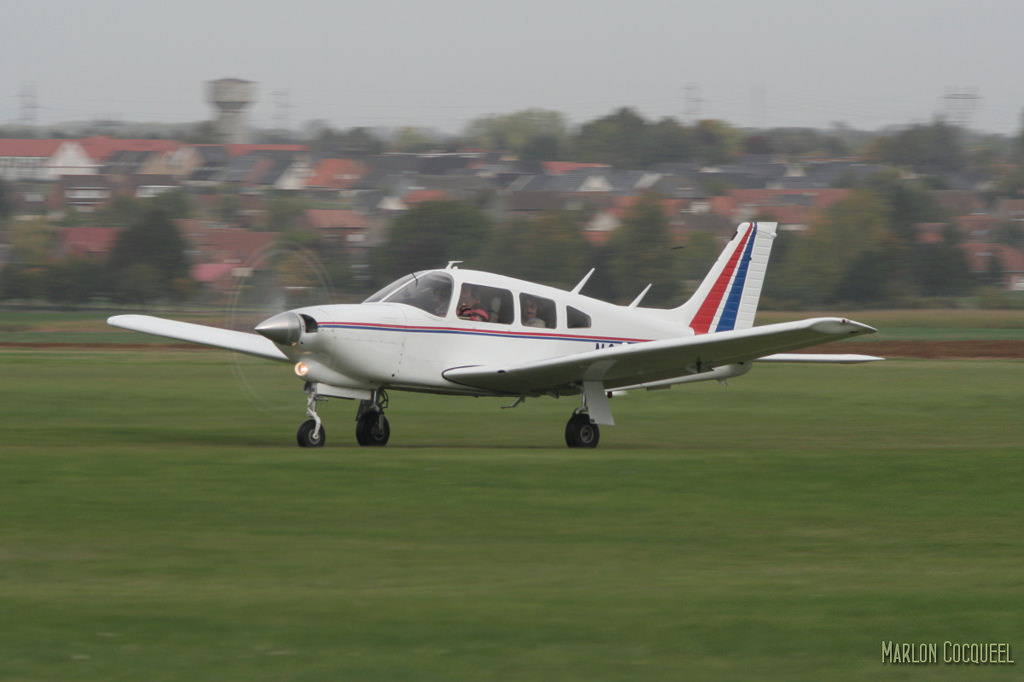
x=576, y=289
x=640, y=296
x=451, y=265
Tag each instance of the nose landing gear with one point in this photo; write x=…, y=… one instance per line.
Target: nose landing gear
x=311, y=433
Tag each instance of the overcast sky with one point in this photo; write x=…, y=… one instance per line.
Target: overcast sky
x=441, y=63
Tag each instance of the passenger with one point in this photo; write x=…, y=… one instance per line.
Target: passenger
x=470, y=307
x=530, y=318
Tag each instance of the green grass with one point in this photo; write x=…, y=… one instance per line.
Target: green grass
x=158, y=523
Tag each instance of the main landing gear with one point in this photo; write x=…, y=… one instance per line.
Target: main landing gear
x=581, y=432
x=372, y=427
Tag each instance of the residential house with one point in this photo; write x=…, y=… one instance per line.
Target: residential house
x=43, y=160
x=92, y=243
x=985, y=258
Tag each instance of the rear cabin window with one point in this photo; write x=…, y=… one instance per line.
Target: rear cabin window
x=576, y=319
x=536, y=311
x=486, y=304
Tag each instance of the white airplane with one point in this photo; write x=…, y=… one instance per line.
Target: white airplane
x=465, y=332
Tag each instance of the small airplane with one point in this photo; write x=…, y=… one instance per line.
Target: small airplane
x=464, y=332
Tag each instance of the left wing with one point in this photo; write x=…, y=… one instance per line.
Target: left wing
x=242, y=342
x=657, y=361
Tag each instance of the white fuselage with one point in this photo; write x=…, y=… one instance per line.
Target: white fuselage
x=390, y=344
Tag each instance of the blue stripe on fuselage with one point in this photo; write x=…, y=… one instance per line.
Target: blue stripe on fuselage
x=478, y=332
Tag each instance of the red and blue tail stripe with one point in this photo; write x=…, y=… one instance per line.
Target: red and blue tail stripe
x=723, y=301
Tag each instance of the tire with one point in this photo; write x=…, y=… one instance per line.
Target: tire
x=308, y=436
x=580, y=432
x=373, y=429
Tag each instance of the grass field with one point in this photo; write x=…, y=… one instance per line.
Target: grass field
x=158, y=523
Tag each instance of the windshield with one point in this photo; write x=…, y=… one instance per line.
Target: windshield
x=431, y=292
x=389, y=289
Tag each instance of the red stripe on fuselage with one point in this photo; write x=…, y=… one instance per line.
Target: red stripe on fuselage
x=502, y=332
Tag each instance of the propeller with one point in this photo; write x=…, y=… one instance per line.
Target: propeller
x=280, y=277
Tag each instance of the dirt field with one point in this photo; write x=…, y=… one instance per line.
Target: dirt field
x=929, y=349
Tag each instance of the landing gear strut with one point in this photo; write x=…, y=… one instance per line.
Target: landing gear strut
x=311, y=433
x=581, y=432
x=372, y=427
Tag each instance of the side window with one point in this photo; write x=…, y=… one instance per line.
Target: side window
x=537, y=311
x=486, y=304
x=576, y=319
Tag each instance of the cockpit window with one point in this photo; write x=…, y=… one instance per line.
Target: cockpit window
x=389, y=289
x=485, y=304
x=431, y=292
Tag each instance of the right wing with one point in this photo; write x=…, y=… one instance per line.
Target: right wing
x=660, y=362
x=242, y=342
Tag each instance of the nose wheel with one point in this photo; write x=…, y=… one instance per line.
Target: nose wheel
x=311, y=433
x=581, y=432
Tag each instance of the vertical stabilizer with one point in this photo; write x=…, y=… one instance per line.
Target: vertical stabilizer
x=727, y=298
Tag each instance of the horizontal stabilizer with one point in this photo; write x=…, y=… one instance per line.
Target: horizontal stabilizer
x=241, y=342
x=836, y=358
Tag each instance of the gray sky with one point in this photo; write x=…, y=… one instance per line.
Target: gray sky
x=441, y=63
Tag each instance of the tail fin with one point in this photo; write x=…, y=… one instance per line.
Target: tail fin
x=727, y=298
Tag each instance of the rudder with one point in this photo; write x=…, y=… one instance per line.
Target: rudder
x=727, y=298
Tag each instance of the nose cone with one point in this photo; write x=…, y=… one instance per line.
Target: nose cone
x=284, y=329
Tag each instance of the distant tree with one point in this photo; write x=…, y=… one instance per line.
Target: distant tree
x=715, y=142
x=150, y=249
x=32, y=241
x=668, y=141
x=415, y=139
x=821, y=266
x=696, y=258
x=548, y=249
x=532, y=133
x=640, y=253
x=75, y=281
x=906, y=204
x=431, y=234
x=934, y=148
x=616, y=139
x=6, y=202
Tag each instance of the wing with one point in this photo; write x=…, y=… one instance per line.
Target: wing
x=637, y=364
x=242, y=342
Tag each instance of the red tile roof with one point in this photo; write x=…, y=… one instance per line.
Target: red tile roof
x=334, y=218
x=100, y=148
x=30, y=148
x=336, y=173
x=87, y=241
x=562, y=167
x=979, y=256
x=420, y=196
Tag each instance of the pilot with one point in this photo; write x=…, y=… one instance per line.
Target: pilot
x=530, y=318
x=470, y=307
x=442, y=293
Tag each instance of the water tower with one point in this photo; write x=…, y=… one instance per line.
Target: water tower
x=231, y=97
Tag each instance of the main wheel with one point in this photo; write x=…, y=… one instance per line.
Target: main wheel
x=580, y=432
x=309, y=436
x=373, y=428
